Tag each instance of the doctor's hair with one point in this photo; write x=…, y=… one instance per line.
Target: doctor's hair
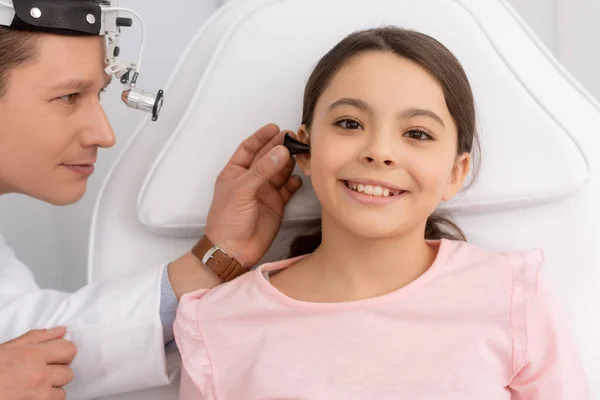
x=17, y=47
x=433, y=57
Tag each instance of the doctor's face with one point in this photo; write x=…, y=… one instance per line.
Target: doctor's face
x=52, y=123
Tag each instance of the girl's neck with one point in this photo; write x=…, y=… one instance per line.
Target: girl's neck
x=348, y=267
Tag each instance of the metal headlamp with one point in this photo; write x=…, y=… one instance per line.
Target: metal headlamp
x=87, y=18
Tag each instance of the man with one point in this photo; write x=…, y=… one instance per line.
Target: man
x=51, y=126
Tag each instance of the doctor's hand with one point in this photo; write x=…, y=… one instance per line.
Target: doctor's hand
x=249, y=199
x=250, y=196
x=36, y=365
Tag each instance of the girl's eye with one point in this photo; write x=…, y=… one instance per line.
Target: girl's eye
x=418, y=135
x=349, y=124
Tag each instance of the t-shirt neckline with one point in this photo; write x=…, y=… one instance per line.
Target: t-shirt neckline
x=278, y=296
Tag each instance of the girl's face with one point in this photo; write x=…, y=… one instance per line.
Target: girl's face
x=383, y=147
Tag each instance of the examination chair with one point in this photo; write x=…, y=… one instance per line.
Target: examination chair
x=247, y=66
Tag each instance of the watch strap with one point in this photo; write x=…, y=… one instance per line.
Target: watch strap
x=217, y=260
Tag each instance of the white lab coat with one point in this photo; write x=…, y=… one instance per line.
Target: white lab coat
x=114, y=324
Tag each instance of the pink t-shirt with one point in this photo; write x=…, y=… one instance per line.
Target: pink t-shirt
x=476, y=326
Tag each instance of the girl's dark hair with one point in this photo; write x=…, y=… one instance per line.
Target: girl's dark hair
x=429, y=54
x=17, y=47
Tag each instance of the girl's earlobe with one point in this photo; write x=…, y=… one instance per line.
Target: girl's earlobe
x=301, y=148
x=457, y=177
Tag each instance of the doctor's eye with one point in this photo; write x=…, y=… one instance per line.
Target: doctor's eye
x=70, y=98
x=418, y=134
x=348, y=124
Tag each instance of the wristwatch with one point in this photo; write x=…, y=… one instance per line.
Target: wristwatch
x=215, y=259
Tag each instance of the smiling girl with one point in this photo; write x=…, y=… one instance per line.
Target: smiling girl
x=387, y=301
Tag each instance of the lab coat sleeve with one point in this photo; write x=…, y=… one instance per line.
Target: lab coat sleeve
x=168, y=306
x=115, y=325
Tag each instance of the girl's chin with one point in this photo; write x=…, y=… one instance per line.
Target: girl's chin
x=372, y=228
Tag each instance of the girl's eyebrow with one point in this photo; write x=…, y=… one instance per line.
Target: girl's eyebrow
x=406, y=114
x=422, y=112
x=348, y=101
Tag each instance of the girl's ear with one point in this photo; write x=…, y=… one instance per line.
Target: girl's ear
x=457, y=176
x=303, y=160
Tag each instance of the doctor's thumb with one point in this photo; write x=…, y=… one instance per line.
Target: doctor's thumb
x=38, y=336
x=270, y=164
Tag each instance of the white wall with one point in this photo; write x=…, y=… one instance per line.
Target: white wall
x=53, y=241
x=29, y=227
x=577, y=42
x=540, y=15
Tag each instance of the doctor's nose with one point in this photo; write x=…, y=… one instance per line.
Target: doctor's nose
x=378, y=152
x=98, y=131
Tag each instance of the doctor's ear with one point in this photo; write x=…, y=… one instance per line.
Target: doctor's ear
x=303, y=160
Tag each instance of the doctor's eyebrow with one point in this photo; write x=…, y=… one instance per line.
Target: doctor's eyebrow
x=78, y=84
x=406, y=114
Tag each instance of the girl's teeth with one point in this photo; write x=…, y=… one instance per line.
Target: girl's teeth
x=372, y=190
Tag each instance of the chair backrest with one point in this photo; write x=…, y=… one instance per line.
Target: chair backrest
x=248, y=65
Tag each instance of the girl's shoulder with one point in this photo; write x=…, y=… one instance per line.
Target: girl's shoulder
x=231, y=297
x=515, y=274
x=460, y=254
x=544, y=357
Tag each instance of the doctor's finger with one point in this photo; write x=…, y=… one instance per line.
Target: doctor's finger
x=266, y=168
x=246, y=153
x=275, y=141
x=57, y=394
x=59, y=351
x=60, y=375
x=291, y=187
x=282, y=177
x=37, y=336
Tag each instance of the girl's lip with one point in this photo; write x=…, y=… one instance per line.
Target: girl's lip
x=367, y=199
x=374, y=182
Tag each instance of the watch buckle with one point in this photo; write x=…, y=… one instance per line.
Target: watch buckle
x=210, y=253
